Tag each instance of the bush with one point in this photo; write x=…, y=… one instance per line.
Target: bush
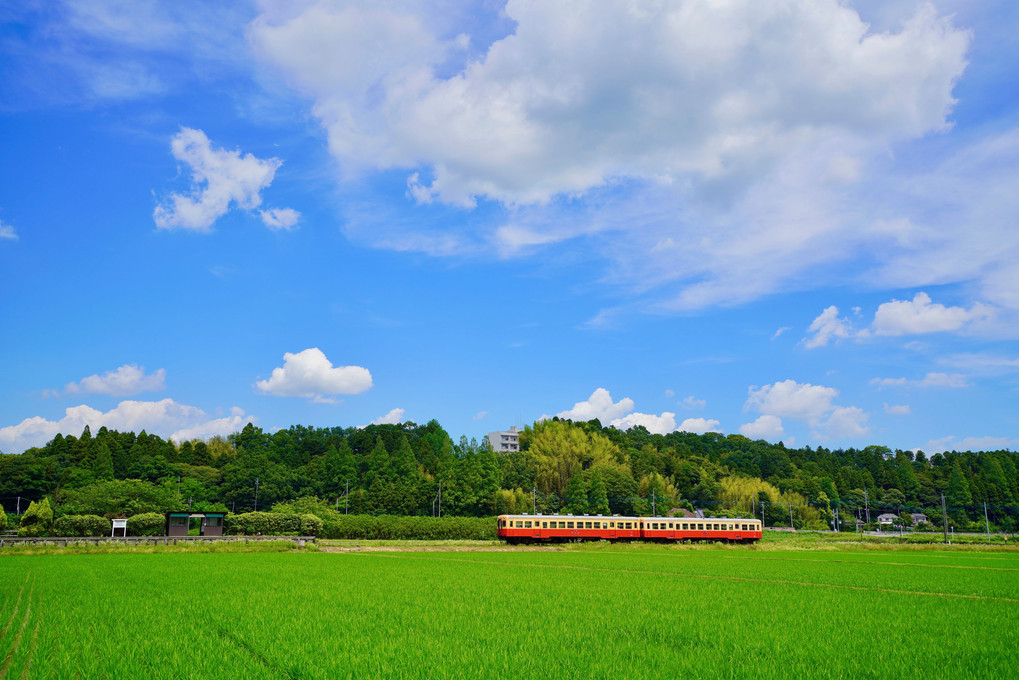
x=271, y=524
x=37, y=520
x=391, y=527
x=82, y=525
x=146, y=524
x=3, y=520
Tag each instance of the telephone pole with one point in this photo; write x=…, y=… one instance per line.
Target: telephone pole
x=256, y=494
x=866, y=504
x=944, y=516
x=987, y=523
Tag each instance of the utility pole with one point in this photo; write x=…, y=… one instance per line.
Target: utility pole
x=534, y=500
x=19, y=505
x=944, y=516
x=762, y=514
x=346, y=497
x=987, y=523
x=440, y=499
x=189, y=503
x=256, y=494
x=653, y=513
x=866, y=503
x=791, y=525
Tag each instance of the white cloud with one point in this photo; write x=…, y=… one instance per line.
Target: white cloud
x=813, y=404
x=7, y=232
x=480, y=415
x=747, y=80
x=845, y=422
x=280, y=218
x=669, y=394
x=718, y=151
x=126, y=381
x=394, y=417
x=898, y=409
x=920, y=315
x=662, y=424
x=222, y=427
x=599, y=405
x=791, y=399
x=165, y=418
x=692, y=402
x=934, y=379
x=828, y=325
x=220, y=178
x=698, y=425
x=951, y=443
x=309, y=374
x=779, y=332
x=985, y=364
x=765, y=427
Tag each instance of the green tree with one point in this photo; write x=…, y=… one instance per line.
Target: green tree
x=958, y=493
x=37, y=520
x=597, y=494
x=576, y=495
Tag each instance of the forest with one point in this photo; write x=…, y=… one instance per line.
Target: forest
x=563, y=466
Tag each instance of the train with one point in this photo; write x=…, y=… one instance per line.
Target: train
x=516, y=529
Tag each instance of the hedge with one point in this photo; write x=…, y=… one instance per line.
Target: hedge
x=272, y=524
x=147, y=524
x=82, y=525
x=394, y=527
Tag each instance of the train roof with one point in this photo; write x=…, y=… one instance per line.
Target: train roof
x=631, y=517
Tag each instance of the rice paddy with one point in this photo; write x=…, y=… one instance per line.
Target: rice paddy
x=609, y=611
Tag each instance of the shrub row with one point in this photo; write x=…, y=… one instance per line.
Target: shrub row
x=271, y=524
x=82, y=525
x=147, y=524
x=393, y=527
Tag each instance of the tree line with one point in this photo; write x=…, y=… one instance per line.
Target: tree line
x=562, y=466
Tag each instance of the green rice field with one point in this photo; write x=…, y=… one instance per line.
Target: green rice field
x=594, y=612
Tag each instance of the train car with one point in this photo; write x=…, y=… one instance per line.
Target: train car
x=731, y=530
x=564, y=528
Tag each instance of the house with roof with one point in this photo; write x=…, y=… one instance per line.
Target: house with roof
x=886, y=519
x=918, y=518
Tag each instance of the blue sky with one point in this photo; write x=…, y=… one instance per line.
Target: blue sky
x=796, y=222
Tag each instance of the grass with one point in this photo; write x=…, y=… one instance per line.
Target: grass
x=591, y=611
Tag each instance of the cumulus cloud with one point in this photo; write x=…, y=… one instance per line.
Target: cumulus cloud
x=921, y=315
x=280, y=218
x=698, y=425
x=663, y=424
x=746, y=79
x=599, y=405
x=222, y=427
x=126, y=381
x=765, y=427
x=394, y=417
x=813, y=404
x=165, y=417
x=933, y=379
x=309, y=374
x=7, y=232
x=220, y=179
x=828, y=325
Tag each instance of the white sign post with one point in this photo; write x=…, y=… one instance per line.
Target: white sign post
x=119, y=524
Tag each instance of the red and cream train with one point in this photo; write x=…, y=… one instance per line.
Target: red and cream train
x=562, y=528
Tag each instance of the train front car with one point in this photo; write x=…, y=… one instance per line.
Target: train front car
x=729, y=530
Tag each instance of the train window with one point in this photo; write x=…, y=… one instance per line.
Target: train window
x=569, y=525
x=670, y=525
x=612, y=525
x=562, y=525
x=544, y=525
x=629, y=525
x=527, y=525
x=718, y=527
x=700, y=527
x=587, y=525
x=597, y=525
